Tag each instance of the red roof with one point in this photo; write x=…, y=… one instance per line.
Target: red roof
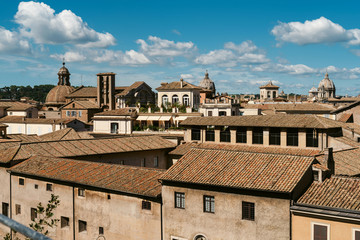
x=244, y=170
x=134, y=180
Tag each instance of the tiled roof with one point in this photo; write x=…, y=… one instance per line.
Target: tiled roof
x=85, y=104
x=25, y=137
x=347, y=162
x=128, y=89
x=3, y=125
x=184, y=148
x=15, y=106
x=347, y=107
x=84, y=147
x=63, y=134
x=177, y=85
x=336, y=192
x=83, y=92
x=19, y=119
x=243, y=170
x=283, y=120
x=345, y=117
x=118, y=112
x=269, y=85
x=303, y=107
x=134, y=180
x=8, y=143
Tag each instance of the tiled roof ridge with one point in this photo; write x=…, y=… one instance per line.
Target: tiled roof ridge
x=254, y=151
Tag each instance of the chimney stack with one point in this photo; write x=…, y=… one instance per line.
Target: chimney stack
x=181, y=82
x=329, y=159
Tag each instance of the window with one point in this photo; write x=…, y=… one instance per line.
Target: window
x=292, y=137
x=114, y=127
x=65, y=222
x=179, y=200
x=209, y=204
x=195, y=134
x=320, y=231
x=210, y=113
x=101, y=231
x=73, y=105
x=241, y=135
x=156, y=161
x=81, y=192
x=73, y=113
x=186, y=100
x=36, y=186
x=109, y=196
x=257, y=136
x=316, y=175
x=200, y=237
x=143, y=162
x=82, y=226
x=165, y=100
x=225, y=134
x=33, y=214
x=274, y=136
x=17, y=209
x=222, y=113
x=356, y=234
x=312, y=138
x=5, y=209
x=68, y=113
x=49, y=187
x=80, y=113
x=175, y=99
x=210, y=134
x=358, y=139
x=248, y=211
x=146, y=205
x=21, y=181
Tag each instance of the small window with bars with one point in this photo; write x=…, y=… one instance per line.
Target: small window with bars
x=33, y=214
x=65, y=222
x=81, y=192
x=17, y=209
x=82, y=226
x=21, y=181
x=179, y=200
x=209, y=204
x=146, y=205
x=49, y=187
x=248, y=211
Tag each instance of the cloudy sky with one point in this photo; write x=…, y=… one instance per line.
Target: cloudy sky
x=242, y=44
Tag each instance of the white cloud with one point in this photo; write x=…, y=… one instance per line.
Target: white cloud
x=11, y=42
x=130, y=57
x=186, y=76
x=176, y=32
x=320, y=30
x=38, y=21
x=158, y=47
x=232, y=54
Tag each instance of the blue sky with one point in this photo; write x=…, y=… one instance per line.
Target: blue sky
x=243, y=44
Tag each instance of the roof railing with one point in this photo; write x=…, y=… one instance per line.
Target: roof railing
x=18, y=227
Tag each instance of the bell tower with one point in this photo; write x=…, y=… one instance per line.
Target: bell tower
x=106, y=90
x=64, y=76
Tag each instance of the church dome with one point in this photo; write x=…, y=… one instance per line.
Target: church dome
x=326, y=83
x=313, y=90
x=207, y=83
x=57, y=94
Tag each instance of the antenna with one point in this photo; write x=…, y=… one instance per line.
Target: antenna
x=81, y=80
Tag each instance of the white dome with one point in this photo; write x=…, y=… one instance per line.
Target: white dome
x=326, y=83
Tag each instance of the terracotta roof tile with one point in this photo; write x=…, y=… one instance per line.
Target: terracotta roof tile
x=25, y=137
x=244, y=170
x=63, y=134
x=19, y=119
x=85, y=104
x=128, y=89
x=83, y=147
x=134, y=180
x=335, y=192
x=118, y=112
x=83, y=92
x=283, y=120
x=15, y=106
x=177, y=85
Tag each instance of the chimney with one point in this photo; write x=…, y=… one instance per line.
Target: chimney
x=149, y=110
x=329, y=159
x=181, y=82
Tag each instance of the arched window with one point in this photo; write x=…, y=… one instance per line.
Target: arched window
x=186, y=100
x=199, y=237
x=165, y=100
x=175, y=99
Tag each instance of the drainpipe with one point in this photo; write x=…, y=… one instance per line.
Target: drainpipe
x=73, y=190
x=161, y=219
x=10, y=203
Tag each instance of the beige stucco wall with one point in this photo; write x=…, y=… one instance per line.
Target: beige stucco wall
x=4, y=195
x=104, y=126
x=339, y=230
x=121, y=216
x=272, y=219
x=29, y=128
x=180, y=93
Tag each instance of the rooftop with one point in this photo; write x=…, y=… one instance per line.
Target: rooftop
x=177, y=85
x=133, y=180
x=335, y=192
x=20, y=119
x=127, y=90
x=85, y=104
x=118, y=112
x=270, y=85
x=83, y=92
x=84, y=147
x=283, y=120
x=63, y=134
x=15, y=106
x=242, y=170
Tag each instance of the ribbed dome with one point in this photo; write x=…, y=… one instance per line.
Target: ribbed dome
x=57, y=94
x=326, y=83
x=313, y=90
x=207, y=83
x=63, y=71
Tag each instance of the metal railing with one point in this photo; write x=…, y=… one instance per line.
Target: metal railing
x=18, y=227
